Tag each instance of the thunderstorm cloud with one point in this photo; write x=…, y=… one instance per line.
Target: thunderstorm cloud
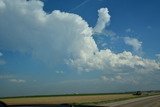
x=64, y=38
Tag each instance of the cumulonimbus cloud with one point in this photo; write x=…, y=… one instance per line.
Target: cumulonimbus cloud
x=61, y=38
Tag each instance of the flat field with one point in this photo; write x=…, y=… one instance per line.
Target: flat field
x=77, y=99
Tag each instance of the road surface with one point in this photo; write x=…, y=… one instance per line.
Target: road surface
x=152, y=101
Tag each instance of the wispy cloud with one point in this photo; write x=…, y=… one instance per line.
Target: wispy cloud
x=149, y=27
x=11, y=78
x=17, y=80
x=59, y=72
x=6, y=76
x=128, y=30
x=78, y=6
x=135, y=43
x=117, y=78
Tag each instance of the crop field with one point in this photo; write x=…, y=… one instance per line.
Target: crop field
x=77, y=99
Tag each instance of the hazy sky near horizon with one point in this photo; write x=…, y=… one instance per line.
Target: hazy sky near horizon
x=78, y=46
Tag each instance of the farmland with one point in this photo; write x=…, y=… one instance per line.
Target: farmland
x=80, y=99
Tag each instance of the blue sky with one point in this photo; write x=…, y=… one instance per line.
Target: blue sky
x=83, y=46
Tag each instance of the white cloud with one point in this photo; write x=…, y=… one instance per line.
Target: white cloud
x=103, y=19
x=25, y=27
x=63, y=38
x=135, y=43
x=106, y=60
x=17, y=80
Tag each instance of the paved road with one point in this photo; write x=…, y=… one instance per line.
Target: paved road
x=150, y=102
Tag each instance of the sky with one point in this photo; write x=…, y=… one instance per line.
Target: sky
x=53, y=47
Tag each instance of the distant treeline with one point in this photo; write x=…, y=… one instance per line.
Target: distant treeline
x=78, y=94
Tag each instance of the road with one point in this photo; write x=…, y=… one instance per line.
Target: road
x=152, y=101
